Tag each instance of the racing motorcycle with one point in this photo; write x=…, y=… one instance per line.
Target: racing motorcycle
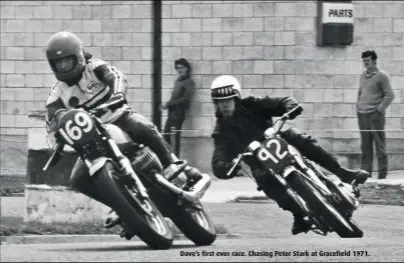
x=328, y=204
x=131, y=177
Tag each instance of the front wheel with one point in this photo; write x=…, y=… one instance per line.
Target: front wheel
x=320, y=206
x=356, y=228
x=153, y=230
x=195, y=224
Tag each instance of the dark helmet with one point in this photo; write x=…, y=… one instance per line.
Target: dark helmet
x=65, y=44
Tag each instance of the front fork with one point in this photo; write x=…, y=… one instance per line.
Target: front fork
x=127, y=168
x=309, y=173
x=343, y=190
x=347, y=192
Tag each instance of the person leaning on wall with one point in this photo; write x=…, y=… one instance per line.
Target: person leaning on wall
x=179, y=103
x=374, y=96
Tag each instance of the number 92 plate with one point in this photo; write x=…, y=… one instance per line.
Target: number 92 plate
x=273, y=153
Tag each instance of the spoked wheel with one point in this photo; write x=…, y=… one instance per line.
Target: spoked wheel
x=140, y=215
x=195, y=223
x=199, y=215
x=323, y=210
x=155, y=221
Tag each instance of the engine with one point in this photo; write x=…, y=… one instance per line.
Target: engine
x=145, y=160
x=142, y=158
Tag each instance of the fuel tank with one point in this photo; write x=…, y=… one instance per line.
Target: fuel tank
x=117, y=134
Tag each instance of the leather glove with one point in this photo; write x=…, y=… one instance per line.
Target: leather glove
x=296, y=112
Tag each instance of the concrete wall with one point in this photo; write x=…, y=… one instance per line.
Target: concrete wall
x=268, y=45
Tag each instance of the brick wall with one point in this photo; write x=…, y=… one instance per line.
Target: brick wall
x=268, y=45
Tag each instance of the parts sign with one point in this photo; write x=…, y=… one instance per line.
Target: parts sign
x=338, y=13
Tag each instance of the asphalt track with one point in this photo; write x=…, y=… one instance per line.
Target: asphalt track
x=263, y=228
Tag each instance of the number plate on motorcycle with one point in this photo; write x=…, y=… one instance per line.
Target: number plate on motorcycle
x=77, y=128
x=273, y=153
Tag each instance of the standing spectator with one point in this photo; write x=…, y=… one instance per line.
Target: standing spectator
x=374, y=96
x=178, y=105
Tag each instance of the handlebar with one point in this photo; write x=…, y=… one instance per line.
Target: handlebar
x=103, y=108
x=236, y=161
x=286, y=116
x=97, y=112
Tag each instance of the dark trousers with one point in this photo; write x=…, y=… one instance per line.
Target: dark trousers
x=175, y=119
x=82, y=182
x=141, y=130
x=373, y=121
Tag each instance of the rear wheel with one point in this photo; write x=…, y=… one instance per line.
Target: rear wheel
x=150, y=226
x=195, y=224
x=320, y=206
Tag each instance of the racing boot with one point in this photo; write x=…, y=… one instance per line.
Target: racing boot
x=126, y=233
x=112, y=219
x=191, y=180
x=300, y=225
x=193, y=176
x=196, y=181
x=350, y=176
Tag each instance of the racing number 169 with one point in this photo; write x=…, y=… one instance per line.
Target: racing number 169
x=264, y=154
x=72, y=132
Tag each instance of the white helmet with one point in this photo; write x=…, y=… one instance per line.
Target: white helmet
x=225, y=87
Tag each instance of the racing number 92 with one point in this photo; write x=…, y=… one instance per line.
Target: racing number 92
x=77, y=127
x=274, y=153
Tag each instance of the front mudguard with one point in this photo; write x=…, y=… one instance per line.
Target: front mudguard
x=294, y=199
x=97, y=164
x=293, y=195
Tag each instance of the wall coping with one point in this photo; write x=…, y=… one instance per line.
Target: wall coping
x=46, y=187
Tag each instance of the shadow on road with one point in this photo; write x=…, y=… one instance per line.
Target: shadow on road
x=119, y=248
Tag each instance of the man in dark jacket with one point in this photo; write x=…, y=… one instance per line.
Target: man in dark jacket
x=179, y=103
x=240, y=121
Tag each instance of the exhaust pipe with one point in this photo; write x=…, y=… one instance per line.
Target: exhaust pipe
x=192, y=196
x=199, y=189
